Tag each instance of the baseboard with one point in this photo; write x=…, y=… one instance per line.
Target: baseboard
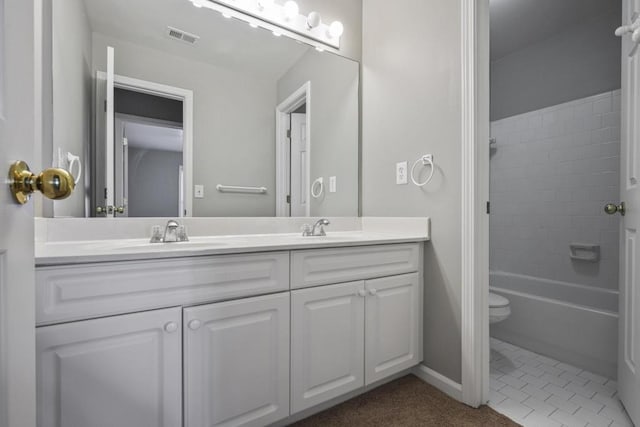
x=439, y=381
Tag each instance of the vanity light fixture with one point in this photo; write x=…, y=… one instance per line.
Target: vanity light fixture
x=281, y=20
x=291, y=10
x=336, y=29
x=265, y=4
x=313, y=20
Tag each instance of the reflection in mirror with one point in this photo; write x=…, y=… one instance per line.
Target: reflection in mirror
x=205, y=113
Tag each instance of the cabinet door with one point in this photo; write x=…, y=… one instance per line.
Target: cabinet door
x=120, y=371
x=327, y=343
x=237, y=362
x=393, y=325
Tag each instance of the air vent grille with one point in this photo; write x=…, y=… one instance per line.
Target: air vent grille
x=182, y=36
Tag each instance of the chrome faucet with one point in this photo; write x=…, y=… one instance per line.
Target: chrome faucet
x=317, y=229
x=173, y=232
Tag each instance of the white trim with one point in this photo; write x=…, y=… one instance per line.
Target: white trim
x=283, y=169
x=439, y=381
x=475, y=194
x=171, y=92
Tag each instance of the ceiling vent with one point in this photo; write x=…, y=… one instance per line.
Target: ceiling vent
x=182, y=36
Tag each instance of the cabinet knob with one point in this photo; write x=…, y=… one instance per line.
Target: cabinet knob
x=373, y=292
x=171, y=327
x=194, y=325
x=362, y=292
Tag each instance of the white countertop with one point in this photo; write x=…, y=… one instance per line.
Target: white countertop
x=90, y=251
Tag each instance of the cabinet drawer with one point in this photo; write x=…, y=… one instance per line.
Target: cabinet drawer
x=65, y=293
x=325, y=266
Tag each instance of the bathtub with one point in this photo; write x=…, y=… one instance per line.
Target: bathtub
x=572, y=323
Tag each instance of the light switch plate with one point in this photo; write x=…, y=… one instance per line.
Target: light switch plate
x=332, y=184
x=401, y=173
x=198, y=191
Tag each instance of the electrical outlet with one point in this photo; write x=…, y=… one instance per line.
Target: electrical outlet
x=401, y=173
x=198, y=192
x=332, y=184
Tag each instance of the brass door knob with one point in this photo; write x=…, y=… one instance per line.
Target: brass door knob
x=53, y=183
x=612, y=209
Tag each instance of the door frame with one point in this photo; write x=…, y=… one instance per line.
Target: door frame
x=475, y=197
x=186, y=97
x=283, y=162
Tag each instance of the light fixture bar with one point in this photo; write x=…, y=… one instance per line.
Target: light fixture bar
x=278, y=19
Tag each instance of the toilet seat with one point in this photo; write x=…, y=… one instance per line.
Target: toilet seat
x=499, y=308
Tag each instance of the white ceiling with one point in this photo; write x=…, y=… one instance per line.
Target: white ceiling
x=519, y=23
x=227, y=43
x=152, y=137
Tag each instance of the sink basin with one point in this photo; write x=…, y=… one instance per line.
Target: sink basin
x=138, y=245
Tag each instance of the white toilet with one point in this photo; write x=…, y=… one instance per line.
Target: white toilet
x=499, y=308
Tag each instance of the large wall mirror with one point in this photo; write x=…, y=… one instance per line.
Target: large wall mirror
x=172, y=110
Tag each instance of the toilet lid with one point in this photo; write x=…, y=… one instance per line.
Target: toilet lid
x=496, y=300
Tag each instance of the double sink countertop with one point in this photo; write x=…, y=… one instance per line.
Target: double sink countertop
x=110, y=250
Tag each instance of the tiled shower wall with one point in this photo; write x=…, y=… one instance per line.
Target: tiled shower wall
x=552, y=172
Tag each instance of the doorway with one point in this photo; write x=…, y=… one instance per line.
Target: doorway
x=293, y=151
x=158, y=120
x=554, y=253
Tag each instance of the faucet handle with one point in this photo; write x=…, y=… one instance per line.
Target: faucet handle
x=182, y=234
x=156, y=234
x=306, y=230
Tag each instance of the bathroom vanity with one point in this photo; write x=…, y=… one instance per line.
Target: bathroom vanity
x=245, y=330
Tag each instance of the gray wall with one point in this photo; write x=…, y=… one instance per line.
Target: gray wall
x=153, y=176
x=348, y=12
x=72, y=86
x=334, y=126
x=582, y=61
x=412, y=106
x=234, y=124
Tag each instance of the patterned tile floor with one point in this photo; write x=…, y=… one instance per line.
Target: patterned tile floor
x=537, y=391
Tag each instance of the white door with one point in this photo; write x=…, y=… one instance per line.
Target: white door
x=17, y=141
x=299, y=163
x=393, y=321
x=327, y=343
x=121, y=371
x=121, y=167
x=236, y=357
x=629, y=302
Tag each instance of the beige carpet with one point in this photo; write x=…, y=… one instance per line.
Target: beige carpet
x=407, y=401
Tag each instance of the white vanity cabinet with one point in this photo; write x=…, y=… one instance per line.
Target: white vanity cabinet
x=327, y=343
x=349, y=335
x=236, y=358
x=393, y=325
x=120, y=371
x=244, y=339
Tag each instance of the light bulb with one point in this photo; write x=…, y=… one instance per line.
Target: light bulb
x=253, y=24
x=276, y=33
x=291, y=10
x=336, y=29
x=313, y=20
x=265, y=4
x=226, y=15
x=197, y=3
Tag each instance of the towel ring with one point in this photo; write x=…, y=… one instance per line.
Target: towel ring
x=426, y=160
x=75, y=160
x=319, y=183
